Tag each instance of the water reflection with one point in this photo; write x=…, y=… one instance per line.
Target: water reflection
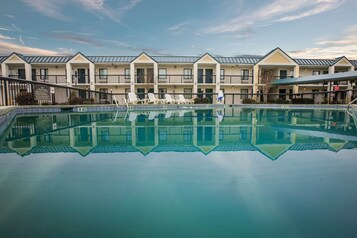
x=270, y=132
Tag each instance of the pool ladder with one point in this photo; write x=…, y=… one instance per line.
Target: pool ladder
x=353, y=101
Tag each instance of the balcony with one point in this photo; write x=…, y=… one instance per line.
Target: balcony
x=272, y=78
x=112, y=79
x=206, y=79
x=237, y=79
x=144, y=79
x=175, y=79
x=80, y=79
x=54, y=79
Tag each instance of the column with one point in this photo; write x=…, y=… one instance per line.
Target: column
x=296, y=75
x=94, y=135
x=28, y=72
x=156, y=78
x=195, y=67
x=132, y=77
x=92, y=76
x=218, y=78
x=255, y=81
x=4, y=69
x=69, y=74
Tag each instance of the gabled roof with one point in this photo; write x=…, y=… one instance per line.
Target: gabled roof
x=79, y=53
x=143, y=53
x=207, y=54
x=272, y=51
x=18, y=55
x=176, y=59
x=2, y=58
x=354, y=62
x=111, y=59
x=339, y=59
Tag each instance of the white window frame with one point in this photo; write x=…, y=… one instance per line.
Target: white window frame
x=103, y=73
x=162, y=73
x=187, y=73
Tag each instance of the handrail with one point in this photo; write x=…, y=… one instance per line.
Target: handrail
x=348, y=105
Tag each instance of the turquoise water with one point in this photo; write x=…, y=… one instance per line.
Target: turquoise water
x=204, y=173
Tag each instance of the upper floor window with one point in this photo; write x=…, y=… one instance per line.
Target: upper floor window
x=162, y=73
x=43, y=74
x=187, y=73
x=222, y=74
x=103, y=73
x=283, y=74
x=315, y=72
x=127, y=73
x=245, y=74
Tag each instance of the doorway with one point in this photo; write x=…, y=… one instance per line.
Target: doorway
x=150, y=75
x=81, y=75
x=209, y=94
x=209, y=75
x=141, y=93
x=200, y=75
x=282, y=94
x=21, y=73
x=140, y=74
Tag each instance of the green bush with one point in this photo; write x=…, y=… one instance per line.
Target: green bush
x=25, y=98
x=281, y=101
x=197, y=100
x=205, y=100
x=74, y=100
x=302, y=101
x=248, y=101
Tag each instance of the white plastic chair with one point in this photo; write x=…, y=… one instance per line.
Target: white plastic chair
x=182, y=99
x=152, y=99
x=133, y=99
x=152, y=115
x=168, y=99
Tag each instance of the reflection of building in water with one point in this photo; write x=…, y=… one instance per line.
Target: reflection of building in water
x=271, y=132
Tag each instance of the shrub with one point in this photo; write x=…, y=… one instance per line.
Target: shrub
x=205, y=100
x=248, y=101
x=281, y=101
x=75, y=100
x=197, y=100
x=25, y=98
x=302, y=101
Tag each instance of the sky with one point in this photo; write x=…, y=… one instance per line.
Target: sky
x=302, y=28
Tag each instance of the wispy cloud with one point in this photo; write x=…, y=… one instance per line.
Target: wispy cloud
x=178, y=26
x=74, y=37
x=21, y=40
x=55, y=8
x=66, y=51
x=3, y=37
x=7, y=48
x=277, y=11
x=331, y=48
x=5, y=29
x=16, y=27
x=9, y=16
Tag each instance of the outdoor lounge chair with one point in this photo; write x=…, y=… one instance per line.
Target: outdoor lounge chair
x=169, y=99
x=152, y=99
x=182, y=99
x=132, y=116
x=152, y=115
x=133, y=99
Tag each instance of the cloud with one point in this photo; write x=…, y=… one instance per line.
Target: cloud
x=55, y=8
x=74, y=37
x=7, y=48
x=9, y=16
x=332, y=48
x=66, y=51
x=3, y=37
x=123, y=45
x=277, y=11
x=21, y=40
x=5, y=29
x=178, y=26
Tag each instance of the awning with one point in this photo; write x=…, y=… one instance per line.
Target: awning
x=324, y=78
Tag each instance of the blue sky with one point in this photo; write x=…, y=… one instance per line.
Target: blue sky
x=303, y=28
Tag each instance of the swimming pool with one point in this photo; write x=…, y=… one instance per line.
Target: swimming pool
x=232, y=172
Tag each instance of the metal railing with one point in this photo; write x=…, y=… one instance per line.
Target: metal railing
x=206, y=79
x=77, y=79
x=236, y=79
x=175, y=79
x=113, y=79
x=61, y=79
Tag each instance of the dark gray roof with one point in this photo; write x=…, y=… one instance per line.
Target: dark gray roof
x=48, y=59
x=111, y=59
x=237, y=60
x=175, y=59
x=2, y=58
x=315, y=62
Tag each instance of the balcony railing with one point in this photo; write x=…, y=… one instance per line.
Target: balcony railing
x=55, y=79
x=144, y=79
x=206, y=79
x=80, y=79
x=113, y=79
x=274, y=77
x=237, y=79
x=175, y=79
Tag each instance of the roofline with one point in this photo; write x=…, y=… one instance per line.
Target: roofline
x=79, y=53
x=277, y=48
x=204, y=56
x=142, y=53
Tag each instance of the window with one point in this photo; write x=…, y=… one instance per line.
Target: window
x=325, y=72
x=162, y=73
x=187, y=73
x=103, y=93
x=187, y=93
x=315, y=72
x=222, y=74
x=103, y=74
x=127, y=73
x=291, y=73
x=43, y=74
x=245, y=74
x=244, y=93
x=283, y=74
x=162, y=92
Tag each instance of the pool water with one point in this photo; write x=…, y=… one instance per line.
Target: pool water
x=195, y=173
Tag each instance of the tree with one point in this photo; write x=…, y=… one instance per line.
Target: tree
x=266, y=79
